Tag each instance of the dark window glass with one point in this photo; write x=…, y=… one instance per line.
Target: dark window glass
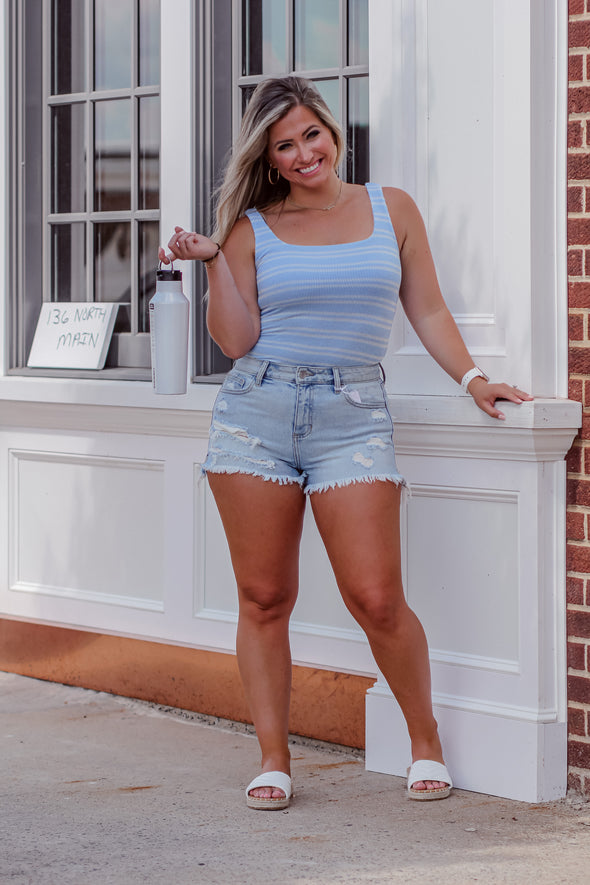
x=264, y=44
x=317, y=34
x=357, y=135
x=68, y=58
x=112, y=268
x=68, y=158
x=149, y=152
x=68, y=251
x=112, y=155
x=149, y=42
x=149, y=232
x=113, y=20
x=358, y=32
x=330, y=92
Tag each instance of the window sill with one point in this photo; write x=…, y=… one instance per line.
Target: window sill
x=109, y=387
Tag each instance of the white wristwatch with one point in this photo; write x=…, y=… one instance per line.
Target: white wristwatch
x=476, y=372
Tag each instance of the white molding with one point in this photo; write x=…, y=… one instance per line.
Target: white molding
x=87, y=596
x=67, y=417
x=474, y=662
x=541, y=430
x=478, y=705
x=15, y=457
x=101, y=392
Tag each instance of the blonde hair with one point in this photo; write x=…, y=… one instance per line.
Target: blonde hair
x=246, y=183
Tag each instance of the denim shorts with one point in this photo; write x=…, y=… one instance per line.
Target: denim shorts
x=315, y=426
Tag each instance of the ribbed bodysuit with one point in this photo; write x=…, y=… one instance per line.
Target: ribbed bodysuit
x=327, y=305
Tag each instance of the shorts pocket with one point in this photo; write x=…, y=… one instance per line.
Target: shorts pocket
x=365, y=394
x=237, y=382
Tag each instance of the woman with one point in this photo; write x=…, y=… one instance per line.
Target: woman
x=302, y=296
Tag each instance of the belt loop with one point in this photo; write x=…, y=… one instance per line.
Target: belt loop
x=337, y=380
x=261, y=372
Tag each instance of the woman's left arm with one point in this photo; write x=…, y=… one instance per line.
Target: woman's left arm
x=426, y=310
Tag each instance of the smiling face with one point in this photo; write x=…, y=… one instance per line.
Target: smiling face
x=302, y=148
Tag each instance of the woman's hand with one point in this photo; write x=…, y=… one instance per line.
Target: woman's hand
x=188, y=246
x=486, y=394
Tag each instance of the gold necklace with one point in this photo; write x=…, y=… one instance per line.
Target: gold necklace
x=317, y=208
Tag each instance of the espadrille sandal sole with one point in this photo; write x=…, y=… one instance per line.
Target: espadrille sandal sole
x=274, y=779
x=427, y=770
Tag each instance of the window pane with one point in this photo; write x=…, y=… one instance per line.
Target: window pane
x=112, y=268
x=67, y=47
x=68, y=160
x=112, y=155
x=358, y=32
x=149, y=232
x=264, y=37
x=112, y=43
x=247, y=92
x=149, y=42
x=317, y=34
x=149, y=152
x=358, y=130
x=330, y=92
x=68, y=262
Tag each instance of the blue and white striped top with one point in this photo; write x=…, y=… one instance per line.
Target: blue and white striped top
x=327, y=305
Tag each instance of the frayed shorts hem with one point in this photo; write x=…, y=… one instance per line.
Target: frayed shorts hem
x=281, y=480
x=396, y=479
x=353, y=480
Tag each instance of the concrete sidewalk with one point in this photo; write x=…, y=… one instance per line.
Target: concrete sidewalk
x=102, y=790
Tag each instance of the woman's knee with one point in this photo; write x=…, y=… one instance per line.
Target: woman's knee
x=266, y=603
x=379, y=607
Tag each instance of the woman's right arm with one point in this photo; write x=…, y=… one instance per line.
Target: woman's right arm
x=233, y=315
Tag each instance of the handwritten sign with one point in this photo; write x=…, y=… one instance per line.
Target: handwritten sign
x=72, y=335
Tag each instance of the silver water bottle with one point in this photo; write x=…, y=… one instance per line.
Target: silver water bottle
x=169, y=318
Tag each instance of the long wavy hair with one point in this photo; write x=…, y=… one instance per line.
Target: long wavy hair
x=246, y=183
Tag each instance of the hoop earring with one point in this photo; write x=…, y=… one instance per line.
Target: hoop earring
x=276, y=181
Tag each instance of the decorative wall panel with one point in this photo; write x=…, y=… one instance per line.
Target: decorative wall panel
x=87, y=527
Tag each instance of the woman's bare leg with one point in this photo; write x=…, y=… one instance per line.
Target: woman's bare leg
x=359, y=525
x=263, y=521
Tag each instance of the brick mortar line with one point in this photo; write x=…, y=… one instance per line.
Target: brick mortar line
x=575, y=608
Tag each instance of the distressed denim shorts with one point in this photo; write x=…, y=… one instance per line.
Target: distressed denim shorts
x=315, y=426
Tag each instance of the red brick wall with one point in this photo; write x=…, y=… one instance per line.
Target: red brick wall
x=578, y=511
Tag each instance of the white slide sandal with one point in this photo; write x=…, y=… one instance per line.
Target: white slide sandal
x=275, y=779
x=427, y=770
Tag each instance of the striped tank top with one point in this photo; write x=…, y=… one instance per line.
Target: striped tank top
x=327, y=305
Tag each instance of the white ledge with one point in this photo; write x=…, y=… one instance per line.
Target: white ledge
x=453, y=427
x=542, y=430
x=461, y=410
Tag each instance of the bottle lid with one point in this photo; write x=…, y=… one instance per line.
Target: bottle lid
x=168, y=275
